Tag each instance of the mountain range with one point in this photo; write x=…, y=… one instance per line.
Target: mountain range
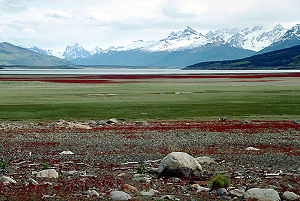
x=188, y=46
x=178, y=49
x=288, y=58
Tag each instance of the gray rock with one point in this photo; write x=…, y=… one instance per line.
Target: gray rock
x=287, y=195
x=50, y=173
x=141, y=178
x=179, y=164
x=261, y=194
x=119, y=195
x=224, y=197
x=221, y=191
x=205, y=160
x=7, y=180
x=112, y=121
x=31, y=181
x=151, y=192
x=168, y=197
x=175, y=179
x=237, y=192
x=101, y=123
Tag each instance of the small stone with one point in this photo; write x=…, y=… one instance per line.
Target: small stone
x=7, y=180
x=205, y=160
x=224, y=197
x=79, y=126
x=66, y=153
x=50, y=173
x=148, y=193
x=141, y=178
x=31, y=181
x=261, y=194
x=112, y=121
x=202, y=189
x=101, y=123
x=119, y=195
x=252, y=149
x=237, y=192
x=221, y=191
x=122, y=174
x=287, y=195
x=175, y=179
x=129, y=189
x=143, y=123
x=168, y=197
x=92, y=193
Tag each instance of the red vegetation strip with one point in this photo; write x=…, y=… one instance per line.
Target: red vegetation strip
x=105, y=79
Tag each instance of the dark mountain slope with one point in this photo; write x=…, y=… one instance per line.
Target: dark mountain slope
x=288, y=58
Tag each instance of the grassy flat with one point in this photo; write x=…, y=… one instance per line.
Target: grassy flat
x=164, y=99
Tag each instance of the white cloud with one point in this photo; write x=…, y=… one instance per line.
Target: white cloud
x=57, y=23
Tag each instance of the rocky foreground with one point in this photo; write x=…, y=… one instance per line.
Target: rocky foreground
x=175, y=160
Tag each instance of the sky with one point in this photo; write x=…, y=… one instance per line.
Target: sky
x=54, y=24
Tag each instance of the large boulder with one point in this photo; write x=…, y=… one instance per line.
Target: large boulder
x=262, y=194
x=179, y=164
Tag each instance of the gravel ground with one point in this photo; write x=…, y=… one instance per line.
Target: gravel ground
x=106, y=157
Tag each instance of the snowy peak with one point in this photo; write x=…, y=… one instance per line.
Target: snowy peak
x=41, y=51
x=292, y=33
x=97, y=50
x=257, y=37
x=186, y=39
x=75, y=51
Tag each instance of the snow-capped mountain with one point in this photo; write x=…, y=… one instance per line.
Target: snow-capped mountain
x=42, y=51
x=293, y=33
x=289, y=39
x=75, y=51
x=256, y=38
x=96, y=50
x=186, y=39
x=221, y=35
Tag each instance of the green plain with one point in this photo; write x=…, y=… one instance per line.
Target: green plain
x=163, y=99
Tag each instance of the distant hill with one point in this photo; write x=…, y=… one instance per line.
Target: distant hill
x=288, y=58
x=11, y=55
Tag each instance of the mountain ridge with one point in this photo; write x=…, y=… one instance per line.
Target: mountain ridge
x=11, y=55
x=288, y=58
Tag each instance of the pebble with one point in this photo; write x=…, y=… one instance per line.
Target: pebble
x=31, y=181
x=66, y=153
x=7, y=180
x=221, y=191
x=141, y=178
x=252, y=149
x=50, y=173
x=151, y=192
x=119, y=195
x=237, y=192
x=129, y=188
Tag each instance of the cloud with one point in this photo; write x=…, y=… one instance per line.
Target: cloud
x=59, y=15
x=105, y=23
